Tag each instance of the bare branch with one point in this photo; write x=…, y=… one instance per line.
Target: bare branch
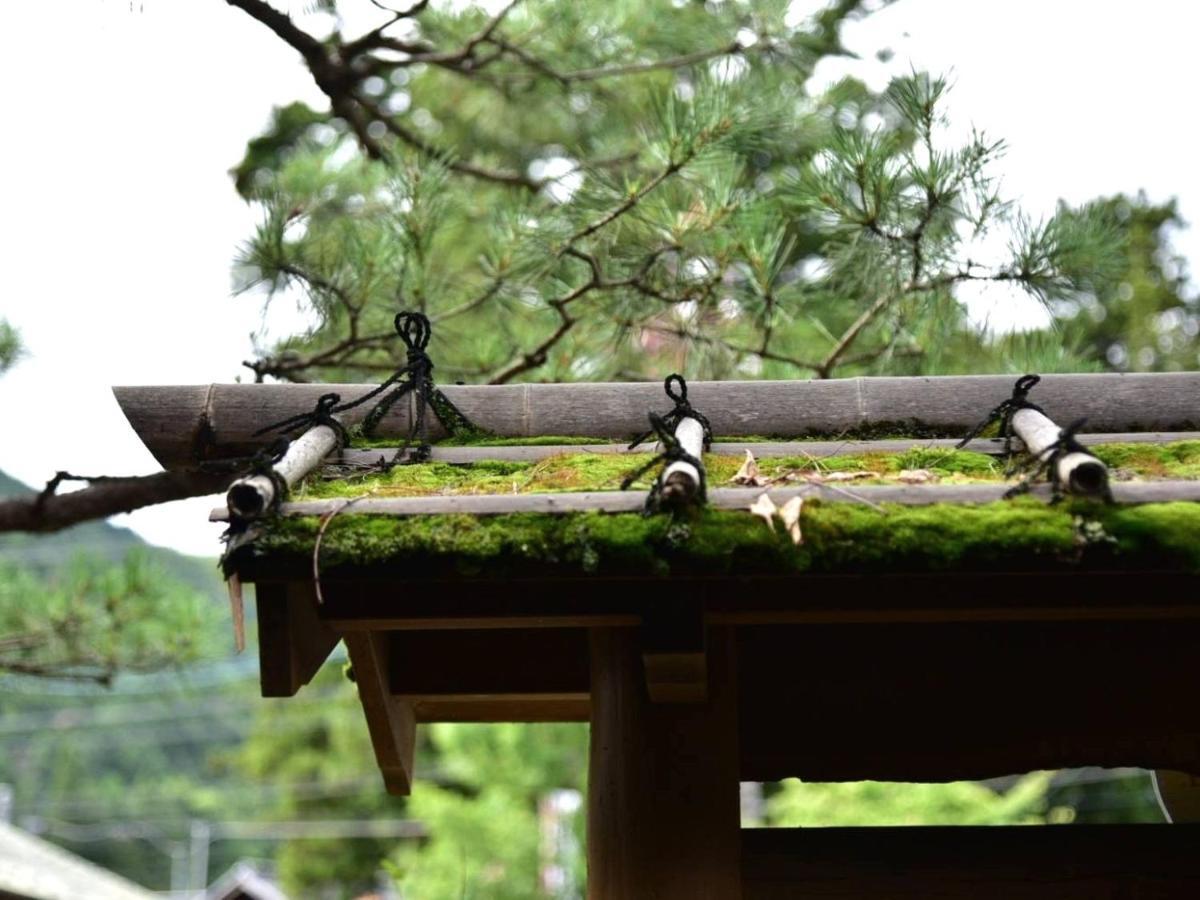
x=106, y=496
x=674, y=62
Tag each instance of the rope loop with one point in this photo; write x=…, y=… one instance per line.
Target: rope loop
x=679, y=396
x=322, y=414
x=677, y=389
x=1005, y=411
x=414, y=329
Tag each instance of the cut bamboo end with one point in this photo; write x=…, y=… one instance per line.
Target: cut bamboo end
x=249, y=498
x=1078, y=473
x=681, y=480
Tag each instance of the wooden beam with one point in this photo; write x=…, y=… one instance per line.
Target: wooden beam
x=181, y=425
x=369, y=599
x=293, y=642
x=663, y=798
x=761, y=449
x=390, y=719
x=719, y=498
x=1063, y=862
x=942, y=702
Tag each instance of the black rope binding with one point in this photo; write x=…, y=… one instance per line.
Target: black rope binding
x=1005, y=411
x=263, y=463
x=1034, y=467
x=322, y=414
x=415, y=377
x=672, y=451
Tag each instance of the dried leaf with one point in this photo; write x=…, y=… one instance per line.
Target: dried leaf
x=765, y=507
x=916, y=476
x=790, y=513
x=748, y=473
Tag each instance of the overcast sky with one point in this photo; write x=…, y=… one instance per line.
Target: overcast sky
x=119, y=219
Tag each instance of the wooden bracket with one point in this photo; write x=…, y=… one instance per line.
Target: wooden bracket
x=673, y=651
x=293, y=643
x=390, y=719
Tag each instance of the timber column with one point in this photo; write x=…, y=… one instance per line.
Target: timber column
x=663, y=800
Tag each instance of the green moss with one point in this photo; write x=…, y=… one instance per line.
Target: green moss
x=605, y=471
x=1180, y=459
x=839, y=537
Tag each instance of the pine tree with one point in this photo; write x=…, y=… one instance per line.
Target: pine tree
x=617, y=190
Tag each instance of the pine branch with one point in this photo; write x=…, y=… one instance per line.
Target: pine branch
x=105, y=496
x=851, y=334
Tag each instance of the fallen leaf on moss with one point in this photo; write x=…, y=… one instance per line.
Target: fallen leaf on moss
x=790, y=513
x=748, y=473
x=765, y=507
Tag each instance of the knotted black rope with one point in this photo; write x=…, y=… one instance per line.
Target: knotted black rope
x=322, y=414
x=672, y=452
x=683, y=410
x=415, y=377
x=1005, y=411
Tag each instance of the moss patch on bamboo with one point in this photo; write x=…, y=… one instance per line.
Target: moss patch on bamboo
x=838, y=537
x=605, y=471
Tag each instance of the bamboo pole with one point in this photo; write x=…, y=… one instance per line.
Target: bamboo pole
x=248, y=498
x=719, y=498
x=1076, y=472
x=183, y=425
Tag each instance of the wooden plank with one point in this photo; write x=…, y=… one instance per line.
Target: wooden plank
x=390, y=719
x=183, y=424
x=719, y=498
x=663, y=797
x=1066, y=862
x=818, y=449
x=293, y=643
x=942, y=702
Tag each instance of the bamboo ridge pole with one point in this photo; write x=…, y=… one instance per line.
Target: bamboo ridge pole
x=250, y=497
x=187, y=424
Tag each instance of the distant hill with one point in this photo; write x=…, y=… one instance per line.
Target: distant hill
x=46, y=552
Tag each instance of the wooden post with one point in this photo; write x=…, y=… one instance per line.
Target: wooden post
x=663, y=803
x=249, y=498
x=681, y=480
x=1078, y=473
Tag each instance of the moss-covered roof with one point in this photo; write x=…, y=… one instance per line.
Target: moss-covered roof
x=1020, y=534
x=600, y=471
x=1024, y=534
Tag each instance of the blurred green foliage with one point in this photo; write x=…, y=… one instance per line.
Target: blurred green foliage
x=10, y=346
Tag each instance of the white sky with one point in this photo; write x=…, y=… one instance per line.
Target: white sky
x=119, y=221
